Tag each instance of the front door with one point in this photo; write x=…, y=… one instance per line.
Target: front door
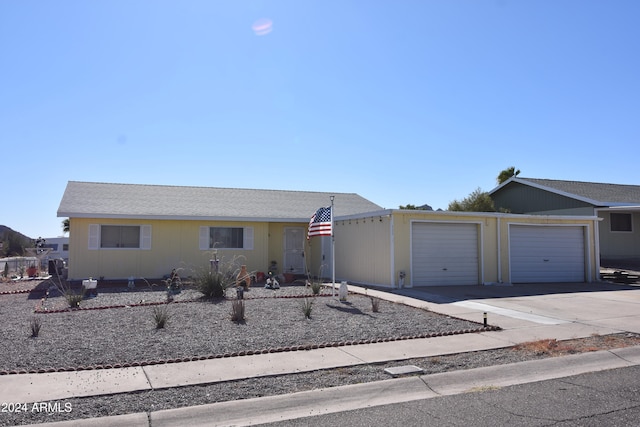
x=293, y=250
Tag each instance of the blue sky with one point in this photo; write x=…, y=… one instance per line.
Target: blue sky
x=410, y=101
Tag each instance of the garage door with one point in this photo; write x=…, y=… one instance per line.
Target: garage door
x=543, y=254
x=444, y=254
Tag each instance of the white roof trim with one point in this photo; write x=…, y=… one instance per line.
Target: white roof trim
x=182, y=218
x=633, y=208
x=388, y=212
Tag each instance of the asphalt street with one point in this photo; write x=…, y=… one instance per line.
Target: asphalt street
x=605, y=398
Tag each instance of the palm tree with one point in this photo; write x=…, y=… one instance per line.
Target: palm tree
x=507, y=173
x=65, y=225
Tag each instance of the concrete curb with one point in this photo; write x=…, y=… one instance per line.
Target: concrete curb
x=351, y=397
x=139, y=419
x=457, y=382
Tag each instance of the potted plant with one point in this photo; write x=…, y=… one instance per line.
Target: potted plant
x=32, y=271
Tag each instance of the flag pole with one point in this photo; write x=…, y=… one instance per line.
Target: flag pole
x=333, y=253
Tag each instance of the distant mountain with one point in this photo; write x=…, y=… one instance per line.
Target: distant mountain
x=4, y=231
x=12, y=243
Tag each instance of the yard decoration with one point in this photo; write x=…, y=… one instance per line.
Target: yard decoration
x=271, y=283
x=243, y=277
x=174, y=283
x=343, y=291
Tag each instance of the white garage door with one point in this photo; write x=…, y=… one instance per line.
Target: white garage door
x=444, y=254
x=543, y=254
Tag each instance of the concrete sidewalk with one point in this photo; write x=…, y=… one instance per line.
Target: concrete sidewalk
x=523, y=318
x=345, y=398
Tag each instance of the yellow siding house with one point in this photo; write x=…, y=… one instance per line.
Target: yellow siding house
x=123, y=230
x=406, y=248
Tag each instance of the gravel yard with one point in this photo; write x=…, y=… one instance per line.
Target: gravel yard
x=127, y=334
x=117, y=327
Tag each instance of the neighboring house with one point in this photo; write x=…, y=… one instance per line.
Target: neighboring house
x=123, y=230
x=618, y=207
x=59, y=248
x=396, y=248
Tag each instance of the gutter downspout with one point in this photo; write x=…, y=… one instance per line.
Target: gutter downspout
x=392, y=255
x=596, y=233
x=499, y=253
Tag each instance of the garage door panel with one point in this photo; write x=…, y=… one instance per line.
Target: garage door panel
x=547, y=254
x=444, y=254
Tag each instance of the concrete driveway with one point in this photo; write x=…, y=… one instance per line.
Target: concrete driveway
x=572, y=310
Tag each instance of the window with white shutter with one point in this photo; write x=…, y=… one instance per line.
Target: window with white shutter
x=226, y=238
x=145, y=237
x=119, y=236
x=94, y=236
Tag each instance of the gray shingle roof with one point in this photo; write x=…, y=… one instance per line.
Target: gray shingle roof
x=104, y=200
x=599, y=194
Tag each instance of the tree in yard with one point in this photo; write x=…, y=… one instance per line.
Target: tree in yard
x=478, y=201
x=507, y=173
x=414, y=207
x=409, y=206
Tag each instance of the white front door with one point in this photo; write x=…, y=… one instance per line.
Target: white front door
x=293, y=250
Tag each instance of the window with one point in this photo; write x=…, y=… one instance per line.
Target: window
x=65, y=247
x=226, y=238
x=119, y=236
x=620, y=222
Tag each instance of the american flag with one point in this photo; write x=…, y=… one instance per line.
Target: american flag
x=320, y=224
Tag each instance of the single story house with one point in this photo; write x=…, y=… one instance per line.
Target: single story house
x=123, y=230
x=405, y=248
x=617, y=206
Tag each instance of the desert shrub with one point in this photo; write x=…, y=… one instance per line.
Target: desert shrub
x=307, y=306
x=73, y=298
x=237, y=310
x=212, y=285
x=161, y=315
x=316, y=286
x=35, y=325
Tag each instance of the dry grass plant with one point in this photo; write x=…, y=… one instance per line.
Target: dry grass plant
x=214, y=284
x=35, y=324
x=307, y=307
x=237, y=311
x=317, y=283
x=316, y=286
x=161, y=315
x=544, y=346
x=73, y=297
